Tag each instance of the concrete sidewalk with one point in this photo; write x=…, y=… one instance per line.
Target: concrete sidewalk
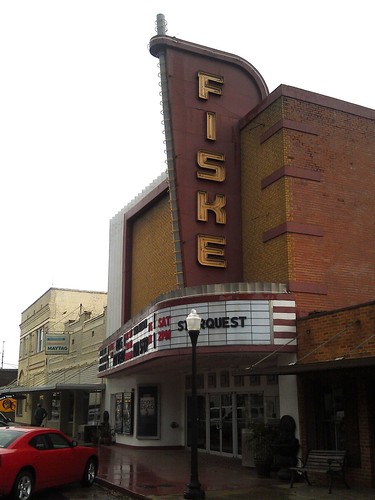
x=164, y=474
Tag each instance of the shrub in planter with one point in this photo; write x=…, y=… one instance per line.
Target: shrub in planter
x=261, y=437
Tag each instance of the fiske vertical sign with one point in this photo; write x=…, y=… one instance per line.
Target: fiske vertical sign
x=205, y=93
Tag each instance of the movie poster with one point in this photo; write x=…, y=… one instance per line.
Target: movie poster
x=148, y=412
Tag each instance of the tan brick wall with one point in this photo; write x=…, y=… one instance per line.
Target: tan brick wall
x=53, y=311
x=263, y=209
x=153, y=260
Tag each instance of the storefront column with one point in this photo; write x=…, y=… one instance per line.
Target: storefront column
x=289, y=399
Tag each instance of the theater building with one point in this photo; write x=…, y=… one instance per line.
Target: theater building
x=263, y=217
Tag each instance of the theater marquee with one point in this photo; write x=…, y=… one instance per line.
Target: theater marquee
x=223, y=323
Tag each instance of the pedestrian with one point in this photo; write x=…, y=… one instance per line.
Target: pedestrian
x=39, y=415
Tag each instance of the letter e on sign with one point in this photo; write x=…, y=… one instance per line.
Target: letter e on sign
x=211, y=251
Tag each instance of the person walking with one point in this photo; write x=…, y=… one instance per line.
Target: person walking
x=39, y=415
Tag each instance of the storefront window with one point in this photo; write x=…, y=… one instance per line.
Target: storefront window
x=55, y=406
x=19, y=408
x=332, y=419
x=71, y=406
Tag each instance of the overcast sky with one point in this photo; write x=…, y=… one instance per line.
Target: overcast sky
x=80, y=115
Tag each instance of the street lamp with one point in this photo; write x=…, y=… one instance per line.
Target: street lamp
x=194, y=490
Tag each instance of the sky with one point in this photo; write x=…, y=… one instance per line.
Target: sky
x=81, y=129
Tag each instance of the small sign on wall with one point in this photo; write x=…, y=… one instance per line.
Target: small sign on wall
x=57, y=343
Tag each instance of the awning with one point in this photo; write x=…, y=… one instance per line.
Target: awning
x=80, y=378
x=296, y=368
x=53, y=387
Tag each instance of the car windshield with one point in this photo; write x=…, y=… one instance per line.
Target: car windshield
x=7, y=436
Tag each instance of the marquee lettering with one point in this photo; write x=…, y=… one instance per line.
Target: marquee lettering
x=217, y=322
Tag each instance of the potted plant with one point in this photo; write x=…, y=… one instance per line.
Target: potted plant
x=105, y=432
x=260, y=438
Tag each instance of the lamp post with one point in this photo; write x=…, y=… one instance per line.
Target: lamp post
x=194, y=490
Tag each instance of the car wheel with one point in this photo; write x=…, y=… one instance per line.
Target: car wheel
x=90, y=473
x=23, y=485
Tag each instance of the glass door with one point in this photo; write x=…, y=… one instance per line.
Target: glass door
x=221, y=423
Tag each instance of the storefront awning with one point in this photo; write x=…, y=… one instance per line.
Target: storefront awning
x=296, y=368
x=82, y=378
x=54, y=387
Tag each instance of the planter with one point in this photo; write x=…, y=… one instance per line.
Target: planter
x=259, y=438
x=262, y=468
x=247, y=451
x=106, y=440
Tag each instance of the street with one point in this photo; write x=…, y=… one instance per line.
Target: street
x=77, y=492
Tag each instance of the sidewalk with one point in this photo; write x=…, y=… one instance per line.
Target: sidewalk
x=164, y=474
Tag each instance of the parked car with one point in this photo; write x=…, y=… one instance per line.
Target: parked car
x=36, y=458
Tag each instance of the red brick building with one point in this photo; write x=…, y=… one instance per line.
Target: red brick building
x=264, y=224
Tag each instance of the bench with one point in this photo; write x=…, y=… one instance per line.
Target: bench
x=328, y=462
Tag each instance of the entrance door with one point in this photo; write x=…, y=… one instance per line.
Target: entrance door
x=221, y=423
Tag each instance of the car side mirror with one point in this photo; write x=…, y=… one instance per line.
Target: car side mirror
x=74, y=443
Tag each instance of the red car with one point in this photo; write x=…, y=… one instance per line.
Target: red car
x=35, y=458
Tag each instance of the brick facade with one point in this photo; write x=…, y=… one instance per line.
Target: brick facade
x=308, y=204
x=296, y=210
x=336, y=334
x=343, y=343
x=153, y=267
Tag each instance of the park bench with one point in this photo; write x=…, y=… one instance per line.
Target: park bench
x=328, y=462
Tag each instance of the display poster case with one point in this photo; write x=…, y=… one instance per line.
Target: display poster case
x=148, y=412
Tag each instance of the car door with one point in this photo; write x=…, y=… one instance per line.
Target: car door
x=66, y=469
x=44, y=461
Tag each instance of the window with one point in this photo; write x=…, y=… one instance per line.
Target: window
x=200, y=381
x=59, y=441
x=19, y=408
x=254, y=379
x=39, y=339
x=239, y=380
x=39, y=442
x=23, y=348
x=224, y=379
x=212, y=380
x=332, y=421
x=272, y=379
x=55, y=407
x=7, y=436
